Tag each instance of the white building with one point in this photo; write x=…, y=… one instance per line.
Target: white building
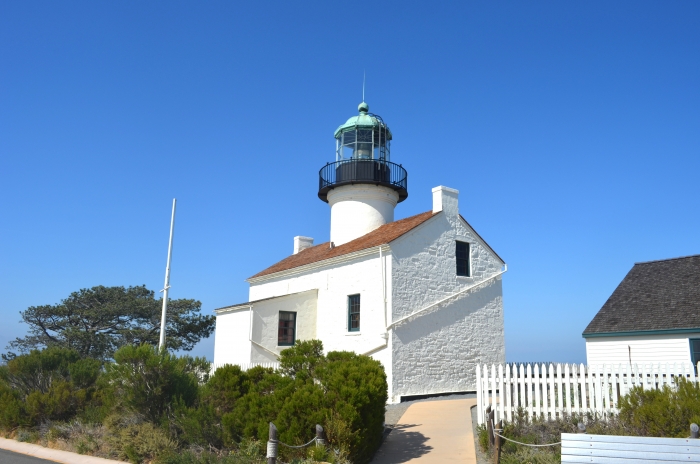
x=423, y=295
x=652, y=317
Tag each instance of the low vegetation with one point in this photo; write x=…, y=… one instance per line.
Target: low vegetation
x=151, y=406
x=667, y=412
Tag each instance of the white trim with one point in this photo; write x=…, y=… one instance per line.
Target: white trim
x=318, y=264
x=231, y=309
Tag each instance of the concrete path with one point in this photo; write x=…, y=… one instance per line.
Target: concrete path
x=431, y=432
x=35, y=454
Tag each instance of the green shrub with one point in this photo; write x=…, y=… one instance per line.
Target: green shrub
x=135, y=440
x=147, y=381
x=53, y=384
x=355, y=387
x=667, y=412
x=153, y=405
x=342, y=389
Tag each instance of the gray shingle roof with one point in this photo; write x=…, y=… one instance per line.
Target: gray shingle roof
x=656, y=295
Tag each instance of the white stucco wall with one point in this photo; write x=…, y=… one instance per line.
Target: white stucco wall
x=438, y=351
x=266, y=323
x=231, y=345
x=335, y=282
x=644, y=349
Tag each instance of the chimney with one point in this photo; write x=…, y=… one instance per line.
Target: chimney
x=446, y=199
x=302, y=243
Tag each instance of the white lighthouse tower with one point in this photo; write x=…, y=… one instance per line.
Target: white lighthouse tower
x=362, y=186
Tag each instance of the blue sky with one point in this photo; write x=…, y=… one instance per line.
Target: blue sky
x=572, y=131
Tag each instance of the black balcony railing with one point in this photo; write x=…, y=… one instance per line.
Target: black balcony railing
x=358, y=171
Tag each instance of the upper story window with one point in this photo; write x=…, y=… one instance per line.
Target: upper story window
x=287, y=328
x=354, y=313
x=463, y=261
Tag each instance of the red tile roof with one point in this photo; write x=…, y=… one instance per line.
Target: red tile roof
x=380, y=236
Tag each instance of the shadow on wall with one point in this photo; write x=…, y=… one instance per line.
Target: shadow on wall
x=402, y=445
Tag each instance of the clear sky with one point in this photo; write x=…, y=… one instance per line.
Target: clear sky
x=571, y=130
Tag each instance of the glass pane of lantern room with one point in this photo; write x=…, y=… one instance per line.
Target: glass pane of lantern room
x=379, y=142
x=348, y=145
x=364, y=144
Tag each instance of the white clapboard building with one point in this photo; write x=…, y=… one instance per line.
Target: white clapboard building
x=652, y=317
x=423, y=295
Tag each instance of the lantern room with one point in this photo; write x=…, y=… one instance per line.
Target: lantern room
x=362, y=156
x=364, y=136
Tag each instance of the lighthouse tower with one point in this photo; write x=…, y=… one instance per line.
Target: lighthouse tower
x=362, y=186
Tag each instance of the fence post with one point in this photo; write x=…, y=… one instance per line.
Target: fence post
x=492, y=436
x=489, y=432
x=272, y=444
x=497, y=450
x=320, y=436
x=694, y=430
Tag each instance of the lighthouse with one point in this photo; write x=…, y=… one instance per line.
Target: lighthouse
x=362, y=186
x=420, y=294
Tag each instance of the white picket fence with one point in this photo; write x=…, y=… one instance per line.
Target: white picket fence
x=550, y=391
x=245, y=366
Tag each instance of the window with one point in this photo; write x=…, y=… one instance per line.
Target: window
x=462, y=253
x=354, y=313
x=695, y=351
x=286, y=333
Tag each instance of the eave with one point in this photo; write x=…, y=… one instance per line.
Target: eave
x=634, y=333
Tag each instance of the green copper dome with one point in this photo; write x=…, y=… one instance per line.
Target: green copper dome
x=363, y=120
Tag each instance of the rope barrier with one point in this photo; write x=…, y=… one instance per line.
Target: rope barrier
x=300, y=446
x=495, y=430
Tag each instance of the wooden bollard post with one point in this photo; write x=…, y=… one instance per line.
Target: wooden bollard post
x=489, y=430
x=272, y=445
x=498, y=440
x=320, y=436
x=694, y=430
x=492, y=416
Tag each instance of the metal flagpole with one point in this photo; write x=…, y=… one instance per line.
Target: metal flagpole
x=166, y=287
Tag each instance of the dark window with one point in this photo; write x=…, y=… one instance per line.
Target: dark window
x=695, y=351
x=354, y=313
x=286, y=333
x=463, y=259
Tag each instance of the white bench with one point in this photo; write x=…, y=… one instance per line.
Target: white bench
x=603, y=449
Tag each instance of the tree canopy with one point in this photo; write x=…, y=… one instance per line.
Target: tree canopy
x=95, y=322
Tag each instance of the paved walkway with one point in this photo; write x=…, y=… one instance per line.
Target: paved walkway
x=431, y=432
x=35, y=454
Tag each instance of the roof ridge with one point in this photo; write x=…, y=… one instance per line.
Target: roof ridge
x=666, y=259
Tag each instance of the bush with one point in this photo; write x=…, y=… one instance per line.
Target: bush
x=135, y=440
x=150, y=405
x=48, y=385
x=661, y=413
x=355, y=388
x=344, y=390
x=147, y=381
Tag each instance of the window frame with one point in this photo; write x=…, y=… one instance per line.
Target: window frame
x=459, y=260
x=351, y=306
x=694, y=360
x=294, y=328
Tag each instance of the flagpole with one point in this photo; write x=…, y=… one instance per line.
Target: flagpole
x=166, y=287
